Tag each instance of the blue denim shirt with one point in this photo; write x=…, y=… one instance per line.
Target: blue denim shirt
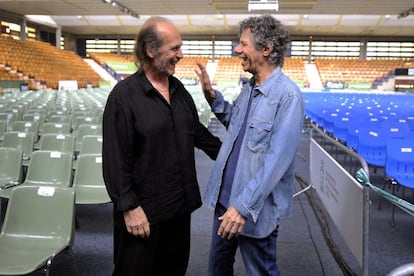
x=263, y=181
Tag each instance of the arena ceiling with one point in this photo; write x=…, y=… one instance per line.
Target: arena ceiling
x=221, y=17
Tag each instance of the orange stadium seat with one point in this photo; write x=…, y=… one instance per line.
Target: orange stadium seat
x=37, y=61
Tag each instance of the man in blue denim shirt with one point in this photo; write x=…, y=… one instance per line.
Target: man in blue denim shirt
x=251, y=183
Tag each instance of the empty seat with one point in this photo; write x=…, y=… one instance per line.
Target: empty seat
x=20, y=140
x=63, y=128
x=10, y=118
x=399, y=164
x=27, y=126
x=88, y=180
x=372, y=145
x=58, y=142
x=86, y=129
x=11, y=169
x=91, y=144
x=39, y=224
x=49, y=168
x=3, y=129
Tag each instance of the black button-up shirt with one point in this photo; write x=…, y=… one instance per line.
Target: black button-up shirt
x=148, y=149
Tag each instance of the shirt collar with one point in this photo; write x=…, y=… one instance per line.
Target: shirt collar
x=147, y=86
x=268, y=83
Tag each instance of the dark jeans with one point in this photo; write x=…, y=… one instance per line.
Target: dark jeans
x=259, y=255
x=165, y=252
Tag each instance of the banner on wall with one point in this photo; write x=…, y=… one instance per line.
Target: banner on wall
x=122, y=67
x=11, y=85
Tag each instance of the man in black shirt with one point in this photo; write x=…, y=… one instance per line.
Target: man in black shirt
x=150, y=129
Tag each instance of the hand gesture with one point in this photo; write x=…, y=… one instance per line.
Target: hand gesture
x=204, y=78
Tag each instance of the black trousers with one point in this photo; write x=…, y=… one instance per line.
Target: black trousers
x=165, y=252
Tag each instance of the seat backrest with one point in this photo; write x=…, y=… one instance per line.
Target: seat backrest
x=63, y=128
x=50, y=168
x=400, y=150
x=80, y=120
x=89, y=171
x=10, y=165
x=57, y=142
x=409, y=134
x=10, y=118
x=20, y=140
x=59, y=118
x=35, y=116
x=395, y=129
x=400, y=161
x=86, y=129
x=372, y=146
x=91, y=144
x=26, y=126
x=40, y=211
x=3, y=129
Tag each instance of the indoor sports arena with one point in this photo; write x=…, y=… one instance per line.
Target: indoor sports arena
x=353, y=194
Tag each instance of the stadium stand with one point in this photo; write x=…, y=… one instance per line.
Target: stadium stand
x=103, y=58
x=39, y=62
x=348, y=70
x=305, y=243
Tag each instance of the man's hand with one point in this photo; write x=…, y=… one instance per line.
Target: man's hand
x=137, y=223
x=232, y=223
x=204, y=78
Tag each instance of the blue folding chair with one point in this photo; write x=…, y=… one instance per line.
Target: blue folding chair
x=399, y=164
x=395, y=129
x=372, y=144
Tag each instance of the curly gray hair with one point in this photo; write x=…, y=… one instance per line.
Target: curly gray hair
x=267, y=31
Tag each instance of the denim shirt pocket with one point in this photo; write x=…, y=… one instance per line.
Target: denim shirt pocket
x=259, y=133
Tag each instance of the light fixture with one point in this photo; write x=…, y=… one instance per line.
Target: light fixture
x=406, y=13
x=121, y=7
x=260, y=5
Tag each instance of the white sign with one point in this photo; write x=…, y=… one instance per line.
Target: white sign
x=341, y=195
x=68, y=85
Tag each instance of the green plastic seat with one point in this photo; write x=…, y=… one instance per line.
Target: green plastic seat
x=82, y=120
x=35, y=116
x=39, y=225
x=10, y=118
x=83, y=130
x=63, y=128
x=59, y=118
x=49, y=168
x=88, y=180
x=91, y=144
x=10, y=170
x=57, y=142
x=27, y=126
x=20, y=140
x=3, y=129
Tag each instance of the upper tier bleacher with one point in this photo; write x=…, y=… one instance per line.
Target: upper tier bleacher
x=229, y=68
x=103, y=58
x=37, y=61
x=185, y=68
x=358, y=70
